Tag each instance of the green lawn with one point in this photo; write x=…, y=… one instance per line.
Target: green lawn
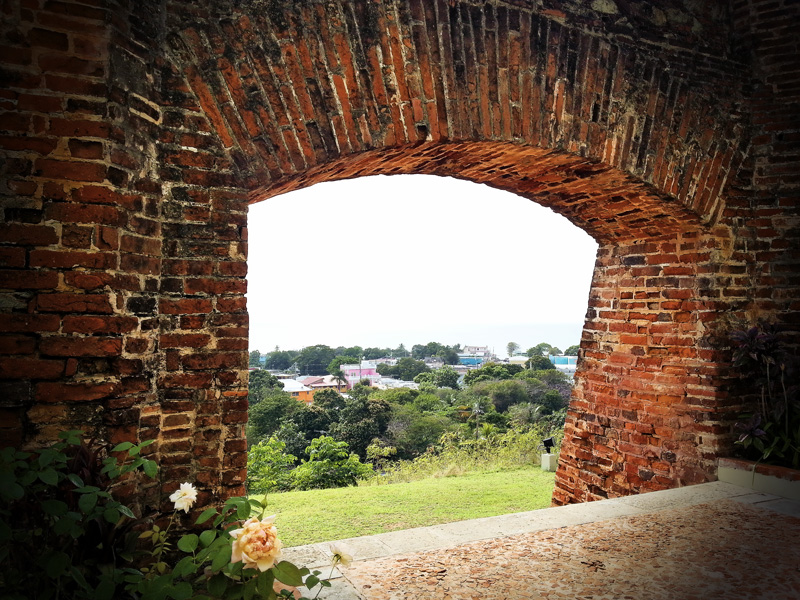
x=321, y=515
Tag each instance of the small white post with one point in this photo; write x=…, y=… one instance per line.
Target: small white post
x=549, y=462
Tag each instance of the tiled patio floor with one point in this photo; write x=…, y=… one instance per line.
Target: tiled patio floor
x=710, y=541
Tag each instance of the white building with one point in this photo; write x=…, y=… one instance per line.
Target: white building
x=389, y=383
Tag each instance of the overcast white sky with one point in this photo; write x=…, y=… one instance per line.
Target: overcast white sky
x=412, y=259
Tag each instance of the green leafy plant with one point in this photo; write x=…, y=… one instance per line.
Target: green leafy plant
x=329, y=464
x=62, y=534
x=237, y=557
x=268, y=467
x=771, y=432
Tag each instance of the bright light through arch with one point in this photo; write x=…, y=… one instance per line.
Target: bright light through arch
x=378, y=261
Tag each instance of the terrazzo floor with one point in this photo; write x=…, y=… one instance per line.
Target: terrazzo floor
x=725, y=549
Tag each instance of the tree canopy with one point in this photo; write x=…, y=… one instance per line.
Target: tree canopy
x=542, y=349
x=260, y=381
x=314, y=360
x=448, y=354
x=280, y=360
x=339, y=360
x=539, y=363
x=405, y=369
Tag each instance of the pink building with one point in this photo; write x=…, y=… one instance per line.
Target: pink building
x=368, y=369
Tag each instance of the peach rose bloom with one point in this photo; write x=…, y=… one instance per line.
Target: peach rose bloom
x=256, y=544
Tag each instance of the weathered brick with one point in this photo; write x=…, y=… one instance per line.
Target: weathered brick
x=218, y=360
x=16, y=322
x=28, y=280
x=185, y=306
x=34, y=235
x=80, y=346
x=79, y=213
x=17, y=344
x=71, y=259
x=187, y=340
x=12, y=257
x=69, y=303
x=73, y=171
x=94, y=324
x=30, y=368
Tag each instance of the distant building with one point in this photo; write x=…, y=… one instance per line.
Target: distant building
x=367, y=369
x=317, y=382
x=482, y=350
x=566, y=364
x=297, y=390
x=475, y=356
x=390, y=383
x=433, y=362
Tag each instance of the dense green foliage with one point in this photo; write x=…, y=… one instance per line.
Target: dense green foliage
x=770, y=433
x=268, y=412
x=456, y=454
x=329, y=464
x=262, y=382
x=314, y=360
x=387, y=427
x=444, y=377
x=269, y=467
x=280, y=359
x=340, y=359
x=62, y=534
x=405, y=369
x=448, y=354
x=539, y=363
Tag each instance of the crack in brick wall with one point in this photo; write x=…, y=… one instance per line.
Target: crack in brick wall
x=136, y=134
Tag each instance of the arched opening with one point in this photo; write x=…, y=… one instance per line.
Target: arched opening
x=391, y=262
x=645, y=338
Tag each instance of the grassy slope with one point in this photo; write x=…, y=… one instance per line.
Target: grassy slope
x=321, y=515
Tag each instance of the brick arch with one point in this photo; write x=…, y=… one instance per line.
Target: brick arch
x=288, y=88
x=623, y=143
x=609, y=205
x=136, y=135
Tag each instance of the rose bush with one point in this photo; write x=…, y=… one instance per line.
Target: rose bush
x=63, y=535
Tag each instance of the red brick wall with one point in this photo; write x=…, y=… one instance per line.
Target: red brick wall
x=136, y=133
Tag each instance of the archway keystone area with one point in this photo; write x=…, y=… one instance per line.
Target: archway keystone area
x=136, y=133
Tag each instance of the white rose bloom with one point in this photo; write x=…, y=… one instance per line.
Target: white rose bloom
x=341, y=555
x=184, y=497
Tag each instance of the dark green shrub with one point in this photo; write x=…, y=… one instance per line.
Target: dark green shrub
x=330, y=464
